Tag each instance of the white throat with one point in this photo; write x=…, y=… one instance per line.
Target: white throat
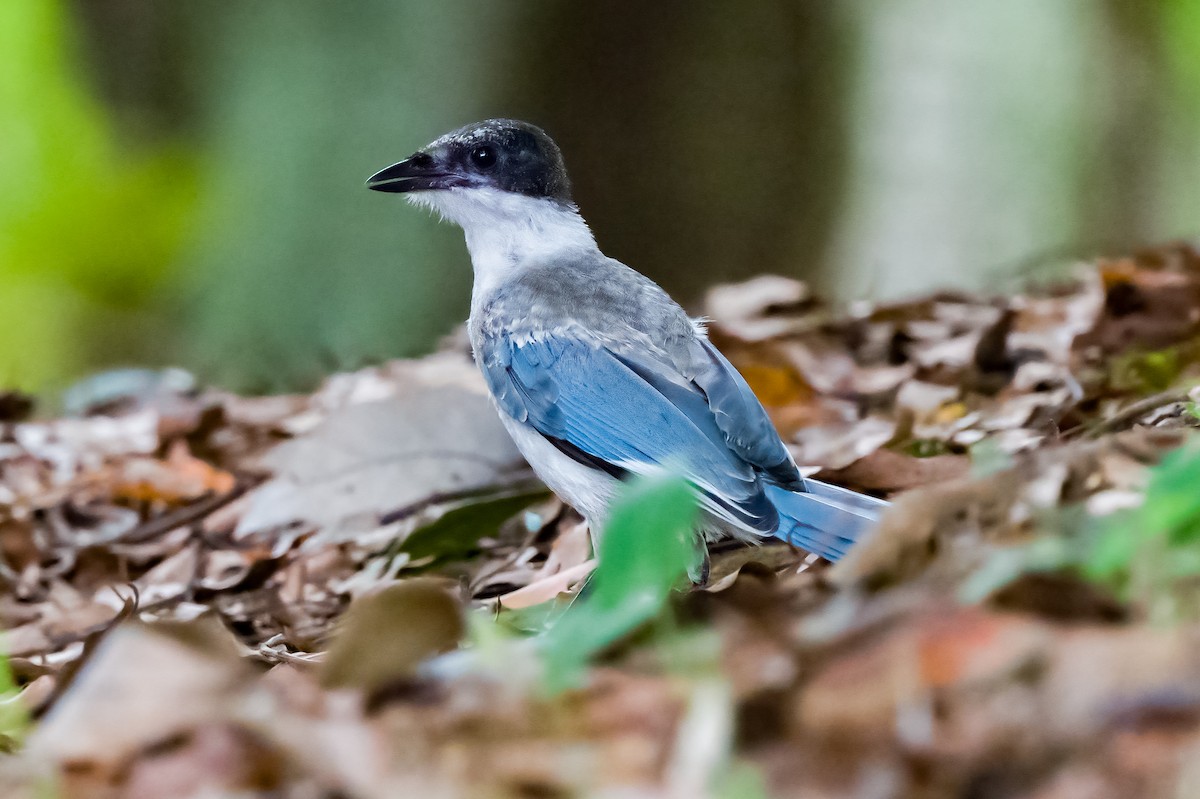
x=506, y=231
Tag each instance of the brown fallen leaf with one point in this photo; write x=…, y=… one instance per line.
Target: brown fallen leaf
x=177, y=478
x=867, y=677
x=212, y=759
x=887, y=470
x=384, y=636
x=865, y=692
x=920, y=524
x=142, y=685
x=1145, y=308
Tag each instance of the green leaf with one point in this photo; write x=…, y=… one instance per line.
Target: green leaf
x=1151, y=554
x=14, y=718
x=1172, y=501
x=743, y=780
x=1113, y=547
x=90, y=228
x=1145, y=372
x=456, y=532
x=647, y=547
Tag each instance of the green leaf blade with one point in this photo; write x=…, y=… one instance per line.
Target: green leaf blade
x=647, y=547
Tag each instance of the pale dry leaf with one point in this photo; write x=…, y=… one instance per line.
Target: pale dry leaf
x=140, y=686
x=25, y=640
x=823, y=365
x=1051, y=324
x=744, y=309
x=222, y=569
x=170, y=579
x=1104, y=503
x=370, y=458
x=838, y=446
x=953, y=353
x=547, y=588
x=69, y=445
x=571, y=547
x=1015, y=411
x=923, y=400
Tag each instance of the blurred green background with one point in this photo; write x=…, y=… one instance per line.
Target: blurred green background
x=182, y=183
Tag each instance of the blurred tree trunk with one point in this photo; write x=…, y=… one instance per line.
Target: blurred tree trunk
x=971, y=136
x=987, y=136
x=706, y=141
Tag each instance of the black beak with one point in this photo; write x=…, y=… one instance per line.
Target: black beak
x=419, y=172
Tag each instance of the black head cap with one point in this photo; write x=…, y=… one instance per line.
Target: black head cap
x=505, y=154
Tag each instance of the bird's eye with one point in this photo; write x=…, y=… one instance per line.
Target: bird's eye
x=483, y=157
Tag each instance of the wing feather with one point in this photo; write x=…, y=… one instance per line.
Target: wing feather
x=743, y=421
x=630, y=411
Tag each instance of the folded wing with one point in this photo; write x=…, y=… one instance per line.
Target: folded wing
x=630, y=412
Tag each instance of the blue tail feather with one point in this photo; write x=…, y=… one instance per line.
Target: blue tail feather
x=825, y=519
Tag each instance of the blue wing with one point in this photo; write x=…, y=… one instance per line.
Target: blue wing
x=741, y=417
x=625, y=412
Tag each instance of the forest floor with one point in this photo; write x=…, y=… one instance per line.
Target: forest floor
x=363, y=593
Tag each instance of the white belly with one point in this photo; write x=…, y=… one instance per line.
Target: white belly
x=582, y=487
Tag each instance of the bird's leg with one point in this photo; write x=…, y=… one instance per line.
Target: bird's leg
x=701, y=568
x=592, y=533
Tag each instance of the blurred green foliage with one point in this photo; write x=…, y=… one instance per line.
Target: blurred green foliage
x=1151, y=554
x=88, y=229
x=1148, y=556
x=646, y=550
x=741, y=780
x=297, y=268
x=1147, y=372
x=14, y=718
x=1180, y=158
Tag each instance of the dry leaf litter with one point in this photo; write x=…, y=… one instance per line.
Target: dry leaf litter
x=212, y=595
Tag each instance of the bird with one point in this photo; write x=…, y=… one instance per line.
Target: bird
x=597, y=374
